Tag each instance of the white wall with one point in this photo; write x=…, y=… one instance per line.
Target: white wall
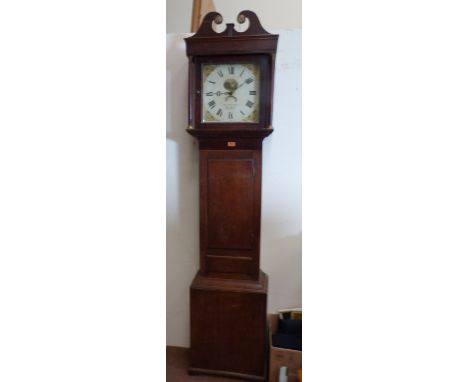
x=281, y=192
x=178, y=16
x=273, y=14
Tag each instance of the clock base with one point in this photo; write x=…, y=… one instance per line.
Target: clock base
x=228, y=320
x=228, y=374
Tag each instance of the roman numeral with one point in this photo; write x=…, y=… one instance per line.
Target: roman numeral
x=230, y=115
x=249, y=104
x=231, y=70
x=212, y=82
x=219, y=112
x=242, y=112
x=248, y=80
x=220, y=73
x=252, y=92
x=243, y=70
x=212, y=104
x=209, y=93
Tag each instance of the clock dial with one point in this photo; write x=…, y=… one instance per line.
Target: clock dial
x=230, y=93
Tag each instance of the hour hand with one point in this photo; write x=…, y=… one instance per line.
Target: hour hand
x=219, y=93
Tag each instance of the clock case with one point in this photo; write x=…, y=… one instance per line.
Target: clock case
x=255, y=45
x=228, y=296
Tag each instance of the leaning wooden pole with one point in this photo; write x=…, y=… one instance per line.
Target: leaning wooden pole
x=199, y=9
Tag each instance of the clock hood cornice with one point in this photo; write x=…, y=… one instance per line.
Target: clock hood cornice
x=254, y=40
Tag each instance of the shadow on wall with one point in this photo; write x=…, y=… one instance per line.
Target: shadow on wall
x=282, y=260
x=181, y=196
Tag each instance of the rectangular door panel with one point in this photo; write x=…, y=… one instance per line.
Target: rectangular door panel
x=230, y=207
x=230, y=188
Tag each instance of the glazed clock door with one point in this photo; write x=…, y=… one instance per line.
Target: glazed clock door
x=230, y=92
x=230, y=212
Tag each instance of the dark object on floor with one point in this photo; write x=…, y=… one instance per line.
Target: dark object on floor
x=293, y=327
x=286, y=341
x=289, y=334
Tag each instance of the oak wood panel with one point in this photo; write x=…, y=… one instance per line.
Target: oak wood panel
x=228, y=330
x=231, y=195
x=237, y=265
x=230, y=202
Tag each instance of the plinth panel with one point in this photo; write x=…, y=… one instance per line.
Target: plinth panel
x=228, y=327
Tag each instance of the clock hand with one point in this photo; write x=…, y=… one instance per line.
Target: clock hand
x=230, y=94
x=240, y=85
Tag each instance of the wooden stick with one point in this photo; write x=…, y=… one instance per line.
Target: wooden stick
x=199, y=10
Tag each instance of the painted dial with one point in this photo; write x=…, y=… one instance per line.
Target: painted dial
x=230, y=93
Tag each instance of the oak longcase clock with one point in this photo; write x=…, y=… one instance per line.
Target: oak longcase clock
x=231, y=76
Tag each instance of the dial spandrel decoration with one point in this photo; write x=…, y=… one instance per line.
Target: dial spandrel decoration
x=230, y=92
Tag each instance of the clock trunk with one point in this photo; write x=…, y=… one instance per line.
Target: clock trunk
x=230, y=194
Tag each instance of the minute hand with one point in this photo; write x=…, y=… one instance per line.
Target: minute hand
x=241, y=84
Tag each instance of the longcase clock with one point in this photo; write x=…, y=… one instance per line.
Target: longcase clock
x=231, y=77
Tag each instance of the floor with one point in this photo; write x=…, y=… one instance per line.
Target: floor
x=177, y=364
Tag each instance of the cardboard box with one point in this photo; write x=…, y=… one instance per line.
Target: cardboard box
x=292, y=359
